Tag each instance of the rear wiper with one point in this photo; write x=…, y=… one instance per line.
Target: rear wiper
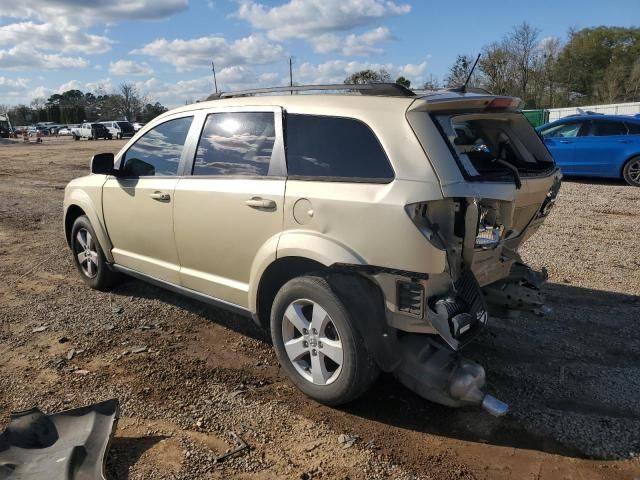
x=500, y=159
x=516, y=175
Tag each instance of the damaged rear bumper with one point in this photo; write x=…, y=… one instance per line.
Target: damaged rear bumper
x=519, y=291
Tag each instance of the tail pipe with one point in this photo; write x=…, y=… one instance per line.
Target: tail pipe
x=436, y=373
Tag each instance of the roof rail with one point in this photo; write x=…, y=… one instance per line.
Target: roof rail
x=383, y=89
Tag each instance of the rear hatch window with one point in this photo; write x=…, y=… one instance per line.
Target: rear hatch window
x=494, y=145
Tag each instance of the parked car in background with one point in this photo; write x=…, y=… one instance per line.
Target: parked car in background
x=91, y=131
x=374, y=244
x=64, y=131
x=592, y=145
x=137, y=126
x=35, y=129
x=119, y=129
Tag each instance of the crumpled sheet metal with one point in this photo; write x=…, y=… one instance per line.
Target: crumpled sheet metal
x=67, y=445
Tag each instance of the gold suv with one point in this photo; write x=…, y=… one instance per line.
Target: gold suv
x=368, y=227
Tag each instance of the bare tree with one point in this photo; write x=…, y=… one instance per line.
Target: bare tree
x=550, y=49
x=38, y=103
x=130, y=101
x=496, y=66
x=610, y=88
x=523, y=47
x=632, y=83
x=432, y=83
x=459, y=71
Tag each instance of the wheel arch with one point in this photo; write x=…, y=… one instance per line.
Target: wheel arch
x=274, y=277
x=79, y=203
x=71, y=215
x=627, y=159
x=290, y=254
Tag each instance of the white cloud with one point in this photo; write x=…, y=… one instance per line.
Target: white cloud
x=62, y=26
x=82, y=12
x=199, y=52
x=268, y=79
x=14, y=83
x=413, y=71
x=353, y=45
x=129, y=67
x=24, y=57
x=305, y=19
x=49, y=36
x=335, y=71
x=70, y=85
x=229, y=79
x=40, y=92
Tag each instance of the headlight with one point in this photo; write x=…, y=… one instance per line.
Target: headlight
x=489, y=231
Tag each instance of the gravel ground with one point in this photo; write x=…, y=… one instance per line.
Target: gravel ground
x=572, y=378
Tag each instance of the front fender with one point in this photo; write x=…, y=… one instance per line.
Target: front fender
x=90, y=201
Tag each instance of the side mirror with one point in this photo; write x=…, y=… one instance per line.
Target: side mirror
x=102, y=164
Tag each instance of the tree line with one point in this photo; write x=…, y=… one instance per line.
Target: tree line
x=594, y=66
x=75, y=106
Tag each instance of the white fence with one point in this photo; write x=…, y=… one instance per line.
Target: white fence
x=612, y=109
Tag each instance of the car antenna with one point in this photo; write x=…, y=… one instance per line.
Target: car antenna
x=463, y=88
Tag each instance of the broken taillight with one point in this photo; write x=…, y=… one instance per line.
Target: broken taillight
x=489, y=231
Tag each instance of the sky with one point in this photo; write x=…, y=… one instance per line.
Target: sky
x=165, y=47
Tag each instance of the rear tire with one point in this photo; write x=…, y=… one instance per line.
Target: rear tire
x=76, y=138
x=324, y=356
x=88, y=256
x=631, y=172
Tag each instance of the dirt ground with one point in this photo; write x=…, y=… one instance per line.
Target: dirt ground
x=572, y=378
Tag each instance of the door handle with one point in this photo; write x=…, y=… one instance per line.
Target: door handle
x=160, y=196
x=257, y=202
x=565, y=141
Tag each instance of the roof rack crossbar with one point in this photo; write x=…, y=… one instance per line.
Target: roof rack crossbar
x=388, y=89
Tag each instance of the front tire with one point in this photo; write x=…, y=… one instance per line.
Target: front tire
x=88, y=256
x=317, y=343
x=631, y=172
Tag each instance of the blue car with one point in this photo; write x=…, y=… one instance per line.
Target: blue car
x=596, y=146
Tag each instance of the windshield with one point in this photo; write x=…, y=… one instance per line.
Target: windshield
x=495, y=144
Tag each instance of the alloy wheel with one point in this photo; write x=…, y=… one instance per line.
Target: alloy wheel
x=312, y=342
x=87, y=253
x=634, y=171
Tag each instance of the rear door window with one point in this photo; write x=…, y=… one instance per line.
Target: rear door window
x=604, y=128
x=634, y=128
x=565, y=130
x=334, y=148
x=157, y=152
x=236, y=144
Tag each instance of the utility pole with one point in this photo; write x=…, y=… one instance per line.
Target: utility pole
x=291, y=74
x=215, y=82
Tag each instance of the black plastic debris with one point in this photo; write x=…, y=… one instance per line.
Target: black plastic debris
x=67, y=445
